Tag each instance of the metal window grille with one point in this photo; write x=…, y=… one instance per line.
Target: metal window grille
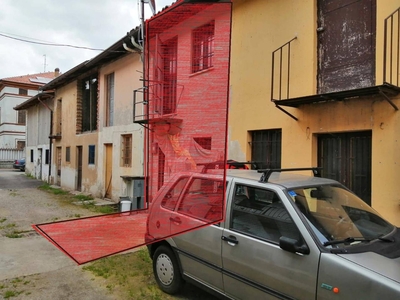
x=203, y=47
x=266, y=148
x=126, y=155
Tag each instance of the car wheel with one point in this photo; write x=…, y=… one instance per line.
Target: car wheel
x=166, y=270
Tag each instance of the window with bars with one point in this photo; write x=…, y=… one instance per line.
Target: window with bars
x=68, y=154
x=126, y=149
x=266, y=148
x=23, y=92
x=203, y=47
x=22, y=117
x=91, y=158
x=89, y=103
x=109, y=100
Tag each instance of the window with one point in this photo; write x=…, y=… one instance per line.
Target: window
x=68, y=154
x=110, y=100
x=31, y=155
x=203, y=47
x=23, y=92
x=171, y=197
x=91, y=154
x=47, y=157
x=58, y=122
x=20, y=145
x=89, y=103
x=203, y=200
x=22, y=117
x=266, y=148
x=126, y=148
x=204, y=142
x=261, y=213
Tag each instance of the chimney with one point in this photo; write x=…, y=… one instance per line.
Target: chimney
x=56, y=72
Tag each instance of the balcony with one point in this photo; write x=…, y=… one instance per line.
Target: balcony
x=390, y=86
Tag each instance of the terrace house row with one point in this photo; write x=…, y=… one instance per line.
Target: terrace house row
x=94, y=145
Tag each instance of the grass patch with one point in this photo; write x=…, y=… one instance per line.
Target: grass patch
x=128, y=276
x=104, y=209
x=83, y=197
x=13, y=235
x=50, y=189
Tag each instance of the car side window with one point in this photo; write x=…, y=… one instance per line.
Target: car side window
x=261, y=213
x=172, y=196
x=203, y=200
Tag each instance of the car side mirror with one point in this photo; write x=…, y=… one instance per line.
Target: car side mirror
x=293, y=245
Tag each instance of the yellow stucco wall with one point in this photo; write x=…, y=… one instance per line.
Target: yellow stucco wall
x=260, y=27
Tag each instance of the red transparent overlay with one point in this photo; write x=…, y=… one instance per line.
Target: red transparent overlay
x=184, y=113
x=88, y=239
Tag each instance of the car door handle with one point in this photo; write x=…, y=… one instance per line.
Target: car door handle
x=232, y=241
x=176, y=220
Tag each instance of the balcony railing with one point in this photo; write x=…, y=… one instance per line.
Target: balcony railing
x=280, y=79
x=391, y=52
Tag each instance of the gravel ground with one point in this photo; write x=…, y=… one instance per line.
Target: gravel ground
x=30, y=266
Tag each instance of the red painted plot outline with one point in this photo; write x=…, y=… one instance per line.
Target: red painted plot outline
x=91, y=238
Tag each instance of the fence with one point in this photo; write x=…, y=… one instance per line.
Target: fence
x=8, y=155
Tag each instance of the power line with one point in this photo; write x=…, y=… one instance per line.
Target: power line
x=49, y=44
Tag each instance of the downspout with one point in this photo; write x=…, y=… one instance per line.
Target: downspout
x=51, y=130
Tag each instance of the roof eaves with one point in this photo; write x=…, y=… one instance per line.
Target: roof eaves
x=34, y=100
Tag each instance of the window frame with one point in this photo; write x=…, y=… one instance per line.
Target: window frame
x=126, y=150
x=91, y=154
x=203, y=49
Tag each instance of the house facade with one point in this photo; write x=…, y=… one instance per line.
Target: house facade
x=14, y=91
x=96, y=148
x=184, y=103
x=39, y=111
x=316, y=83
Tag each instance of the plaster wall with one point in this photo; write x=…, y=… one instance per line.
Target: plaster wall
x=260, y=27
x=127, y=74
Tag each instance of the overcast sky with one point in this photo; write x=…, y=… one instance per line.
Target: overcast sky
x=83, y=23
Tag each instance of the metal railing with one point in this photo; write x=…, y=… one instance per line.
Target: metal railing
x=391, y=50
x=281, y=56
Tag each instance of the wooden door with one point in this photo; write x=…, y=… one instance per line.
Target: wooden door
x=346, y=44
x=79, y=168
x=108, y=172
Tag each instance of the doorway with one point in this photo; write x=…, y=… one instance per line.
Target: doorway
x=108, y=171
x=79, y=168
x=346, y=157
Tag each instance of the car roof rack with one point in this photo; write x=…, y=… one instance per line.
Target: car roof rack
x=267, y=172
x=221, y=164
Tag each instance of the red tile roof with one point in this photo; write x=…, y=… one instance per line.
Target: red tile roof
x=35, y=79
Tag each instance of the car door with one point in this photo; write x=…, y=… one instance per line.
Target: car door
x=254, y=266
x=200, y=250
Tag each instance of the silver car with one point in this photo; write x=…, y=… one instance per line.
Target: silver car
x=284, y=236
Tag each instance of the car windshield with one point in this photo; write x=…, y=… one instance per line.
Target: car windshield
x=338, y=217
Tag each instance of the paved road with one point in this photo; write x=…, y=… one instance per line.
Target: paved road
x=15, y=179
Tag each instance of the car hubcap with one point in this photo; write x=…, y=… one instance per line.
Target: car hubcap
x=165, y=269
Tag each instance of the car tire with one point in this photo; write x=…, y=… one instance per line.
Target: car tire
x=166, y=270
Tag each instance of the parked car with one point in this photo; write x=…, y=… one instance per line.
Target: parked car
x=284, y=235
x=19, y=164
